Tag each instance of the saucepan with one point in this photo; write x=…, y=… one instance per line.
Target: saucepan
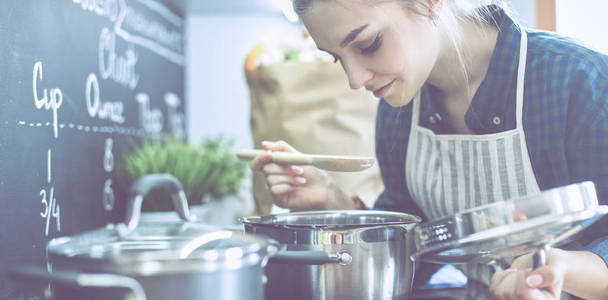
x=178, y=260
x=372, y=250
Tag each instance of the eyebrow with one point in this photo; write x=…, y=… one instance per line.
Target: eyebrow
x=352, y=35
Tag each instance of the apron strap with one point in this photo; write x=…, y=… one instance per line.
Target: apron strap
x=521, y=71
x=415, y=112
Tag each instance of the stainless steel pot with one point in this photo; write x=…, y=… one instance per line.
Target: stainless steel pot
x=338, y=254
x=180, y=260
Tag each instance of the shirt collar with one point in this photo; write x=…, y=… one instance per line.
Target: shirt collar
x=497, y=87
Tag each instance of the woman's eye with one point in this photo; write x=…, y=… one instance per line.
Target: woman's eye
x=374, y=46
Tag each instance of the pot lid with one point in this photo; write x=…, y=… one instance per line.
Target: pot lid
x=135, y=247
x=333, y=219
x=510, y=228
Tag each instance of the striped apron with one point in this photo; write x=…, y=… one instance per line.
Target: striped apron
x=447, y=174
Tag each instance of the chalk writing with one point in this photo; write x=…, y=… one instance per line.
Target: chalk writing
x=101, y=73
x=104, y=8
x=176, y=119
x=112, y=111
x=52, y=102
x=108, y=157
x=143, y=25
x=51, y=210
x=137, y=28
x=108, y=166
x=151, y=120
x=108, y=195
x=120, y=68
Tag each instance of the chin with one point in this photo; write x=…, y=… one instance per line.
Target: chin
x=397, y=101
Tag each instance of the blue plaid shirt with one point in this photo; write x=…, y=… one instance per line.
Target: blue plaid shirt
x=565, y=118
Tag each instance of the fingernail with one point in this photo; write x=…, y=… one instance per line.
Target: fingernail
x=510, y=270
x=266, y=143
x=534, y=280
x=301, y=180
x=297, y=170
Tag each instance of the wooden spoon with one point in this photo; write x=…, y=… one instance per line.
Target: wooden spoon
x=337, y=163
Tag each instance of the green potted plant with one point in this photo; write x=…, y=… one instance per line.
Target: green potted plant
x=209, y=173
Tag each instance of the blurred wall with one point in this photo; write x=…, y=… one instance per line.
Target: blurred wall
x=524, y=11
x=585, y=23
x=216, y=89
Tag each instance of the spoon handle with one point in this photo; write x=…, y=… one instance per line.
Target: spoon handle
x=279, y=157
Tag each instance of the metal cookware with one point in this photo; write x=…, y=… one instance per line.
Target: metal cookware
x=179, y=260
x=359, y=254
x=506, y=229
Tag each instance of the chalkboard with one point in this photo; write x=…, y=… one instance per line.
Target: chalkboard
x=80, y=82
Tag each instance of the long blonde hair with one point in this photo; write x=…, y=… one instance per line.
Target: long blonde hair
x=448, y=18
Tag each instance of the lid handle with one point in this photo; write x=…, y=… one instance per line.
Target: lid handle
x=141, y=188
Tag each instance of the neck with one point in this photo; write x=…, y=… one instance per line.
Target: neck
x=477, y=44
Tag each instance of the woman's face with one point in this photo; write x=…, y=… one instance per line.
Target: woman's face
x=382, y=46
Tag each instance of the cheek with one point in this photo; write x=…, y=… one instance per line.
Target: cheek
x=391, y=61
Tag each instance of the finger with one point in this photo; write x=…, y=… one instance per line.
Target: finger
x=273, y=168
x=276, y=169
x=285, y=179
x=513, y=287
x=258, y=163
x=281, y=189
x=523, y=262
x=296, y=170
x=499, y=276
x=522, y=291
x=503, y=287
x=280, y=146
x=545, y=276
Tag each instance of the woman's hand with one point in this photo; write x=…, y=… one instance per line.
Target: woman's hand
x=580, y=273
x=521, y=282
x=298, y=187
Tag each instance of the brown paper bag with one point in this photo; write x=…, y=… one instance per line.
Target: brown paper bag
x=310, y=106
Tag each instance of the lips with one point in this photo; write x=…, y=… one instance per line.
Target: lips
x=381, y=92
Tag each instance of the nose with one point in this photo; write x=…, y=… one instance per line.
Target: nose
x=357, y=74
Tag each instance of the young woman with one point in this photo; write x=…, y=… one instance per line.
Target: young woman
x=474, y=109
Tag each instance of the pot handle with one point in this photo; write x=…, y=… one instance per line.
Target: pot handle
x=33, y=273
x=311, y=257
x=142, y=187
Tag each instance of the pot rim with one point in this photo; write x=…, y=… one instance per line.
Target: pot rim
x=282, y=220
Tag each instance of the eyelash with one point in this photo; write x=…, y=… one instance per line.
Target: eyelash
x=371, y=49
x=374, y=46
